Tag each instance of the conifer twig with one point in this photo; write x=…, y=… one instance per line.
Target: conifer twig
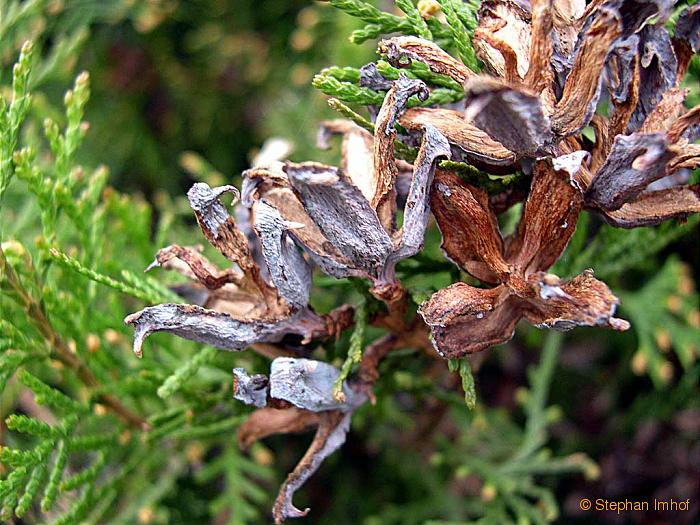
x=36, y=314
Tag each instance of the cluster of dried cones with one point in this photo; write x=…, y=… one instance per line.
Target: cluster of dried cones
x=550, y=65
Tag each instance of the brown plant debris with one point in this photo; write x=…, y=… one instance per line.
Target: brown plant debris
x=547, y=66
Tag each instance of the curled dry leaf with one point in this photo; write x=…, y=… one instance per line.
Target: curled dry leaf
x=307, y=386
x=686, y=41
x=467, y=141
x=504, y=34
x=268, y=421
x=550, y=61
x=400, y=51
x=242, y=307
x=510, y=116
x=346, y=218
x=620, y=188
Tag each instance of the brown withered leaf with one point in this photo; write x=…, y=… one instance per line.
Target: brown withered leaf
x=288, y=270
x=464, y=319
x=251, y=390
x=468, y=141
x=685, y=125
x=371, y=78
x=550, y=214
x=582, y=87
x=270, y=184
x=400, y=51
x=221, y=329
x=304, y=383
x=582, y=301
x=265, y=422
x=470, y=235
x=623, y=99
x=217, y=225
x=383, y=200
x=567, y=19
x=342, y=214
x=357, y=154
x=196, y=266
x=686, y=40
x=252, y=309
x=657, y=73
x=307, y=385
x=620, y=188
x=408, y=241
x=330, y=436
x=345, y=218
x=655, y=207
x=502, y=36
x=487, y=35
x=634, y=162
x=221, y=231
x=539, y=76
x=514, y=117
x=224, y=291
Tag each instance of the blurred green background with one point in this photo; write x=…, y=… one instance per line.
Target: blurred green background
x=214, y=77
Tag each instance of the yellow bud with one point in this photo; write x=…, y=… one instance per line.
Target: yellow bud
x=146, y=515
x=92, y=343
x=639, y=363
x=301, y=75
x=125, y=437
x=428, y=8
x=666, y=371
x=112, y=336
x=674, y=303
x=307, y=17
x=263, y=456
x=663, y=339
x=194, y=453
x=488, y=492
x=13, y=248
x=301, y=40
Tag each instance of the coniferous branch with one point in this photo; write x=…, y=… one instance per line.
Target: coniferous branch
x=354, y=349
x=12, y=116
x=59, y=349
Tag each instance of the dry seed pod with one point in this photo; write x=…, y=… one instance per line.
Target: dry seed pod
x=465, y=319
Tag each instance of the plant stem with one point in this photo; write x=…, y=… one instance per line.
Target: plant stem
x=541, y=379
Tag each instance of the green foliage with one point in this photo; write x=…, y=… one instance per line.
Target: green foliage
x=665, y=316
x=510, y=463
x=465, y=372
x=73, y=450
x=185, y=372
x=454, y=34
x=354, y=349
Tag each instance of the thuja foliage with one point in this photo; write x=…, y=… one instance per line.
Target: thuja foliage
x=93, y=435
